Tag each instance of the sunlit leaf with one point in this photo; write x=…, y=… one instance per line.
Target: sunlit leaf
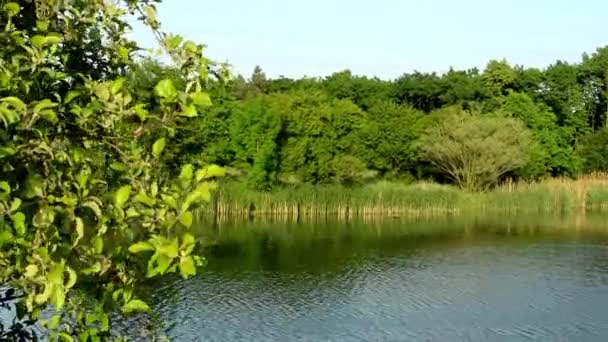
x=186, y=174
x=72, y=278
x=122, y=196
x=7, y=152
x=201, y=99
x=165, y=89
x=79, y=228
x=186, y=219
x=140, y=247
x=19, y=223
x=135, y=305
x=12, y=9
x=15, y=102
x=210, y=172
x=189, y=111
x=31, y=271
x=187, y=267
x=158, y=147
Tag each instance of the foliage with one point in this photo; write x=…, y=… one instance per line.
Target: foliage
x=476, y=151
x=593, y=149
x=553, y=153
x=91, y=202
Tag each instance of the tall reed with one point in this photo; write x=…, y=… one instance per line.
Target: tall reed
x=418, y=199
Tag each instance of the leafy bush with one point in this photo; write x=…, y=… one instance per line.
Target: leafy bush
x=91, y=203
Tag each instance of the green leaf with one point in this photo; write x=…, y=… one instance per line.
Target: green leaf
x=186, y=219
x=44, y=218
x=6, y=237
x=19, y=223
x=140, y=247
x=55, y=276
x=65, y=337
x=15, y=102
x=158, y=147
x=34, y=186
x=187, y=267
x=102, y=92
x=171, y=250
x=16, y=204
x=165, y=89
x=150, y=12
x=31, y=271
x=123, y=52
x=58, y=298
x=141, y=111
x=72, y=94
x=189, y=111
x=135, y=305
x=187, y=241
x=170, y=201
x=43, y=105
x=186, y=174
x=145, y=199
x=98, y=244
x=79, y=227
x=158, y=264
x=6, y=152
x=201, y=99
x=172, y=41
x=72, y=277
x=52, y=40
x=42, y=25
x=132, y=212
x=54, y=322
x=117, y=85
x=210, y=172
x=94, y=207
x=122, y=196
x=5, y=187
x=12, y=9
x=49, y=115
x=116, y=166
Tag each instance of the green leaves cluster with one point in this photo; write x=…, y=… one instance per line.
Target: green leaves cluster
x=88, y=193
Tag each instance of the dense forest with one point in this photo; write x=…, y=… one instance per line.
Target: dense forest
x=349, y=129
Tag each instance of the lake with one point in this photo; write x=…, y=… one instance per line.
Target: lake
x=515, y=278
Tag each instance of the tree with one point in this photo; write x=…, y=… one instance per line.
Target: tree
x=498, y=76
x=90, y=202
x=555, y=154
x=389, y=138
x=476, y=151
x=318, y=129
x=421, y=91
x=593, y=149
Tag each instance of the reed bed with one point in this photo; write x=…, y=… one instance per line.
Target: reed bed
x=421, y=199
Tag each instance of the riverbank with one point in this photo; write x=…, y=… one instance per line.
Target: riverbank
x=396, y=199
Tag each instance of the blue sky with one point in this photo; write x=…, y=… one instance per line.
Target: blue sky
x=385, y=38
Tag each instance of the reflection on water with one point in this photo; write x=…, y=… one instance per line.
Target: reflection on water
x=452, y=279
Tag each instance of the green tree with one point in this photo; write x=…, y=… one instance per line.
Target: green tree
x=498, y=76
x=555, y=154
x=256, y=125
x=476, y=151
x=318, y=129
x=593, y=149
x=389, y=137
x=90, y=203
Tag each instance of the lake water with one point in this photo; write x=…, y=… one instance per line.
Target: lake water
x=451, y=279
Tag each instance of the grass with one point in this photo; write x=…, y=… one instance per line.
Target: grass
x=418, y=199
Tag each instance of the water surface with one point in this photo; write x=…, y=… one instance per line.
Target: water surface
x=493, y=279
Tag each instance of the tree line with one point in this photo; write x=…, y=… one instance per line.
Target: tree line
x=505, y=121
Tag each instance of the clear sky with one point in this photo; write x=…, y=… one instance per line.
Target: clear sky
x=385, y=38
